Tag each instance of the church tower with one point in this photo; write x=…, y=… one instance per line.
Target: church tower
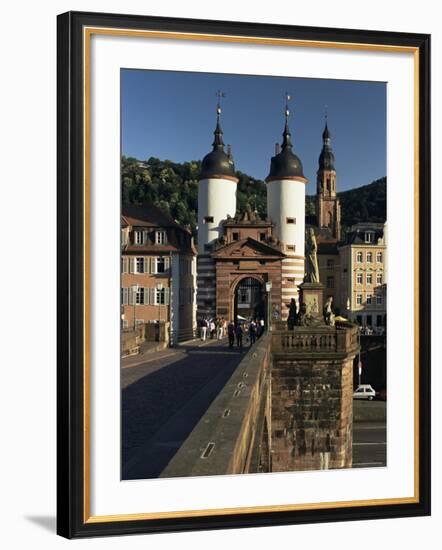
x=328, y=208
x=286, y=208
x=216, y=201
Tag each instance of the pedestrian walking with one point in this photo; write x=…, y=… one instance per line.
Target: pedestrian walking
x=212, y=328
x=219, y=329
x=252, y=333
x=203, y=329
x=239, y=335
x=231, y=334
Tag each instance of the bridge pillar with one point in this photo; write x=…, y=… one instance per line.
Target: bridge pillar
x=312, y=397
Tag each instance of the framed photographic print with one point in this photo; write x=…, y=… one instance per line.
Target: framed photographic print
x=243, y=274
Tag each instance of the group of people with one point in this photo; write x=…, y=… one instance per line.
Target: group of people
x=213, y=328
x=237, y=332
x=251, y=330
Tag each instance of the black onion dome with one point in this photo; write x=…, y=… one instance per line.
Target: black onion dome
x=286, y=164
x=217, y=162
x=326, y=158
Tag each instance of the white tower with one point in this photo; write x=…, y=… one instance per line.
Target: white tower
x=286, y=208
x=216, y=201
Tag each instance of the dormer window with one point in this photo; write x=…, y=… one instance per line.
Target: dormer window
x=235, y=236
x=369, y=236
x=160, y=237
x=291, y=220
x=208, y=219
x=138, y=237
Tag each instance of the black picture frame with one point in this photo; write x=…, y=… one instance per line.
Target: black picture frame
x=71, y=497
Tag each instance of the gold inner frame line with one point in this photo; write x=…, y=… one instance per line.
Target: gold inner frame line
x=87, y=34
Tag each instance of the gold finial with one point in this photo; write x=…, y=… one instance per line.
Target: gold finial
x=288, y=97
x=219, y=95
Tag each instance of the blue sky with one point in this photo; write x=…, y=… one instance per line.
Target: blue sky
x=171, y=115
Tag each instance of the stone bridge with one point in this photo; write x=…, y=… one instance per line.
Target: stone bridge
x=287, y=406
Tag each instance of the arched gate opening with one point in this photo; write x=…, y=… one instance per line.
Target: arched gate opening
x=249, y=300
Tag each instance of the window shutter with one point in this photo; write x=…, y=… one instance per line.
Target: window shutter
x=146, y=296
x=131, y=265
x=166, y=296
x=167, y=263
x=152, y=296
x=145, y=237
x=146, y=265
x=153, y=265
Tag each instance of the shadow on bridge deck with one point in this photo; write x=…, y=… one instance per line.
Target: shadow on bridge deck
x=164, y=403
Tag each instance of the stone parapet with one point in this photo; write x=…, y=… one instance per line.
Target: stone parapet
x=229, y=437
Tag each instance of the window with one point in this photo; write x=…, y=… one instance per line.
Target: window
x=290, y=220
x=379, y=257
x=124, y=296
x=330, y=282
x=330, y=264
x=379, y=278
x=139, y=237
x=139, y=296
x=262, y=262
x=369, y=299
x=379, y=300
x=369, y=278
x=262, y=236
x=160, y=237
x=369, y=257
x=379, y=320
x=368, y=321
x=139, y=265
x=359, y=257
x=235, y=262
x=235, y=236
x=291, y=247
x=208, y=219
x=359, y=299
x=161, y=264
x=369, y=236
x=359, y=278
x=161, y=296
x=359, y=319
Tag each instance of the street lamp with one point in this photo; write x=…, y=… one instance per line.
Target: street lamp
x=359, y=357
x=135, y=289
x=160, y=287
x=268, y=289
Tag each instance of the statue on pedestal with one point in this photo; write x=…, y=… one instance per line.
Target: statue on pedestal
x=293, y=315
x=311, y=258
x=329, y=316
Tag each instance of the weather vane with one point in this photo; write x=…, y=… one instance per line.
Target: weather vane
x=219, y=95
x=288, y=97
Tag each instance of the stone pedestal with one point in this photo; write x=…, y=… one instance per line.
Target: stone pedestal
x=312, y=397
x=312, y=295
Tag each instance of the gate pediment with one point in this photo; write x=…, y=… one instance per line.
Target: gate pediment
x=248, y=249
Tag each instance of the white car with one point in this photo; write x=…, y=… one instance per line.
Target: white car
x=364, y=391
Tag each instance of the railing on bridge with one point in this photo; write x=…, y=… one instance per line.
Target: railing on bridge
x=317, y=340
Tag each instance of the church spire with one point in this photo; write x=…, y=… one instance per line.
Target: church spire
x=218, y=142
x=218, y=163
x=287, y=136
x=326, y=158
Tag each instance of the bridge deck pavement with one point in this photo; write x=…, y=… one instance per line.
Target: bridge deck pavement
x=164, y=395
